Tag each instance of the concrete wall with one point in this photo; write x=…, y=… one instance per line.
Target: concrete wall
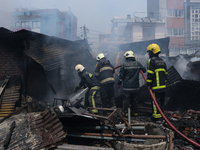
x=52, y=22
x=162, y=9
x=153, y=9
x=159, y=32
x=175, y=4
x=137, y=33
x=177, y=23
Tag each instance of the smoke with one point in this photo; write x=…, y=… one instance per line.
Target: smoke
x=181, y=65
x=195, y=59
x=197, y=54
x=97, y=16
x=5, y=19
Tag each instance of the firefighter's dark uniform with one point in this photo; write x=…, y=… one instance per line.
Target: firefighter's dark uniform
x=104, y=73
x=129, y=74
x=92, y=96
x=157, y=79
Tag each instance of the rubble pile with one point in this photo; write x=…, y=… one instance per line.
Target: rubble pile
x=31, y=131
x=41, y=68
x=187, y=122
x=107, y=129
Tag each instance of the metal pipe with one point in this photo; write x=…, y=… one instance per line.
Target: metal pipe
x=129, y=115
x=103, y=128
x=170, y=140
x=114, y=111
x=106, y=138
x=125, y=135
x=93, y=115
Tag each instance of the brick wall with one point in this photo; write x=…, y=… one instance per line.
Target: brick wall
x=177, y=23
x=10, y=61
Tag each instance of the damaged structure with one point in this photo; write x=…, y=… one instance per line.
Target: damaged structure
x=37, y=111
x=31, y=131
x=38, y=64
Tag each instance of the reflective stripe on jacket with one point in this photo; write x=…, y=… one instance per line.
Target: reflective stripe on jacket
x=104, y=71
x=88, y=80
x=157, y=74
x=129, y=75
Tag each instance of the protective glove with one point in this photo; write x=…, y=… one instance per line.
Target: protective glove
x=75, y=89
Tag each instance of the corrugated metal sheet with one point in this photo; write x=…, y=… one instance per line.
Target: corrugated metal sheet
x=51, y=57
x=47, y=127
x=49, y=52
x=173, y=76
x=10, y=96
x=185, y=95
x=141, y=47
x=55, y=55
x=32, y=131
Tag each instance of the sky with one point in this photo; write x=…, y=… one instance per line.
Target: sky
x=96, y=15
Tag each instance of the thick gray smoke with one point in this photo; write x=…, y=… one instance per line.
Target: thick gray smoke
x=181, y=65
x=194, y=59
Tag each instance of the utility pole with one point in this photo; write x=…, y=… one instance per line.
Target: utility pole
x=85, y=31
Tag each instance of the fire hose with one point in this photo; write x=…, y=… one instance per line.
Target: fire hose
x=182, y=135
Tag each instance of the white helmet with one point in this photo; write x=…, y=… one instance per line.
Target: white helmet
x=79, y=68
x=129, y=54
x=101, y=55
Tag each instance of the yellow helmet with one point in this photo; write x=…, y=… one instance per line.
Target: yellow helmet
x=101, y=55
x=129, y=54
x=153, y=48
x=79, y=68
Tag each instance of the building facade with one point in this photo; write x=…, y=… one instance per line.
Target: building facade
x=180, y=25
x=177, y=19
x=51, y=22
x=134, y=29
x=192, y=22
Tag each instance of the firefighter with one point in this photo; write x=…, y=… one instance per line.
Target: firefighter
x=104, y=72
x=90, y=81
x=156, y=78
x=129, y=75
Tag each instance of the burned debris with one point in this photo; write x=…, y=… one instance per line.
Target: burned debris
x=38, y=109
x=31, y=131
x=85, y=128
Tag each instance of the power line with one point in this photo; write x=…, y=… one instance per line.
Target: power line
x=96, y=31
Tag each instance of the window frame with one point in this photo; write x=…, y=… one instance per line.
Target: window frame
x=36, y=24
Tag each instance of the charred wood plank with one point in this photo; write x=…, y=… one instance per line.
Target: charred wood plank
x=52, y=88
x=8, y=137
x=3, y=87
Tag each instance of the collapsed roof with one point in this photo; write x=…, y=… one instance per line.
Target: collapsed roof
x=50, y=52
